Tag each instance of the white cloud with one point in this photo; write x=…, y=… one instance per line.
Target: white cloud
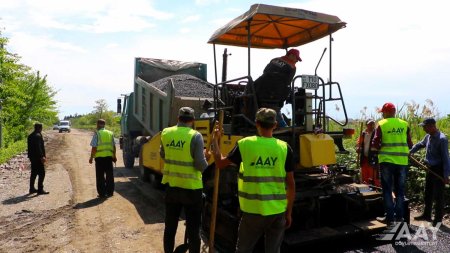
x=207, y=2
x=111, y=45
x=100, y=16
x=192, y=18
x=117, y=23
x=185, y=30
x=26, y=43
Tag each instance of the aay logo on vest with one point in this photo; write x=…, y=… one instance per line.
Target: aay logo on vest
x=399, y=130
x=176, y=144
x=264, y=162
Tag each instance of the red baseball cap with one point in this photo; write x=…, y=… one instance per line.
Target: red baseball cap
x=387, y=107
x=294, y=52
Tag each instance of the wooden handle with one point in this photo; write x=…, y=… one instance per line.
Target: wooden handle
x=212, y=228
x=424, y=167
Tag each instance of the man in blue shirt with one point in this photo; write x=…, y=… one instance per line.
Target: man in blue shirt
x=437, y=160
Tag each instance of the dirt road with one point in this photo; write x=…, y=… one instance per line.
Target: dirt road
x=71, y=218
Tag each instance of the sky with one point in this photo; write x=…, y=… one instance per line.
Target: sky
x=390, y=51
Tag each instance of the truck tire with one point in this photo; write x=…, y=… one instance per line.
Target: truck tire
x=144, y=174
x=128, y=159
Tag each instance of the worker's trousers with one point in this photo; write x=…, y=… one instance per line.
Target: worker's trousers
x=37, y=169
x=253, y=226
x=393, y=176
x=104, y=176
x=191, y=201
x=434, y=190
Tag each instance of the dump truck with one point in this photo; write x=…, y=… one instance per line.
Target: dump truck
x=329, y=205
x=161, y=87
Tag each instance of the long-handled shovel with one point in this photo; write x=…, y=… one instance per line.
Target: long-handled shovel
x=424, y=167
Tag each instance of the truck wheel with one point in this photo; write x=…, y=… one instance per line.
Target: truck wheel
x=144, y=174
x=128, y=160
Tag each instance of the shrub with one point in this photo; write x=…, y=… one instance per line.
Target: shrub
x=12, y=150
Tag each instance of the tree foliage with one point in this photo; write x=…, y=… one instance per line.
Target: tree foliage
x=101, y=106
x=26, y=97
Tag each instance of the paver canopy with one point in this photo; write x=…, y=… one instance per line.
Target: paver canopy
x=276, y=27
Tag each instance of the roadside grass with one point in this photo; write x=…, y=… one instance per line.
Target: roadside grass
x=12, y=150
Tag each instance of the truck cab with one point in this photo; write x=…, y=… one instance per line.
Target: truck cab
x=64, y=126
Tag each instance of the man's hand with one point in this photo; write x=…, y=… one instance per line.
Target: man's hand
x=207, y=154
x=446, y=181
x=114, y=159
x=90, y=160
x=288, y=220
x=216, y=131
x=43, y=160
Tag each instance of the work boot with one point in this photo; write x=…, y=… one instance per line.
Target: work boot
x=33, y=190
x=381, y=219
x=42, y=192
x=423, y=217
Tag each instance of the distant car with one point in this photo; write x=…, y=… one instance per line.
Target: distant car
x=55, y=127
x=64, y=126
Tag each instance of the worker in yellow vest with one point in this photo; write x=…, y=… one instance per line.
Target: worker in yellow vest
x=104, y=152
x=392, y=140
x=266, y=183
x=184, y=161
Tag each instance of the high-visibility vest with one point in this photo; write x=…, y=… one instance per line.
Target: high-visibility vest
x=262, y=175
x=394, y=144
x=179, y=170
x=105, y=140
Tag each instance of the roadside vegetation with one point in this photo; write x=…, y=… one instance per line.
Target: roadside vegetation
x=89, y=121
x=25, y=98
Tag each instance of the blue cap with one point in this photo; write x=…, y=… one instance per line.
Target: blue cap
x=428, y=121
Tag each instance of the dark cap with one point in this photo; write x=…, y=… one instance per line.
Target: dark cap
x=266, y=115
x=101, y=122
x=186, y=113
x=428, y=121
x=294, y=52
x=387, y=107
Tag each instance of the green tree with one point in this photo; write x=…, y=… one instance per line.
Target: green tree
x=101, y=106
x=26, y=97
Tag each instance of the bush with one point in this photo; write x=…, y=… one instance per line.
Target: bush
x=13, y=149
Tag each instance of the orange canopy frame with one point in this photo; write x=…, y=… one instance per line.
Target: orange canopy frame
x=276, y=27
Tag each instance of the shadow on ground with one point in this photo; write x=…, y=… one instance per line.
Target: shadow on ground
x=18, y=199
x=89, y=203
x=148, y=201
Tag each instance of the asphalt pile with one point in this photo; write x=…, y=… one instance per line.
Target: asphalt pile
x=186, y=86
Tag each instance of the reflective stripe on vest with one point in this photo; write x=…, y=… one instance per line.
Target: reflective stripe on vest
x=262, y=176
x=394, y=146
x=179, y=170
x=105, y=139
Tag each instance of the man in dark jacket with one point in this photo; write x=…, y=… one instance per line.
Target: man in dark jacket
x=274, y=86
x=36, y=154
